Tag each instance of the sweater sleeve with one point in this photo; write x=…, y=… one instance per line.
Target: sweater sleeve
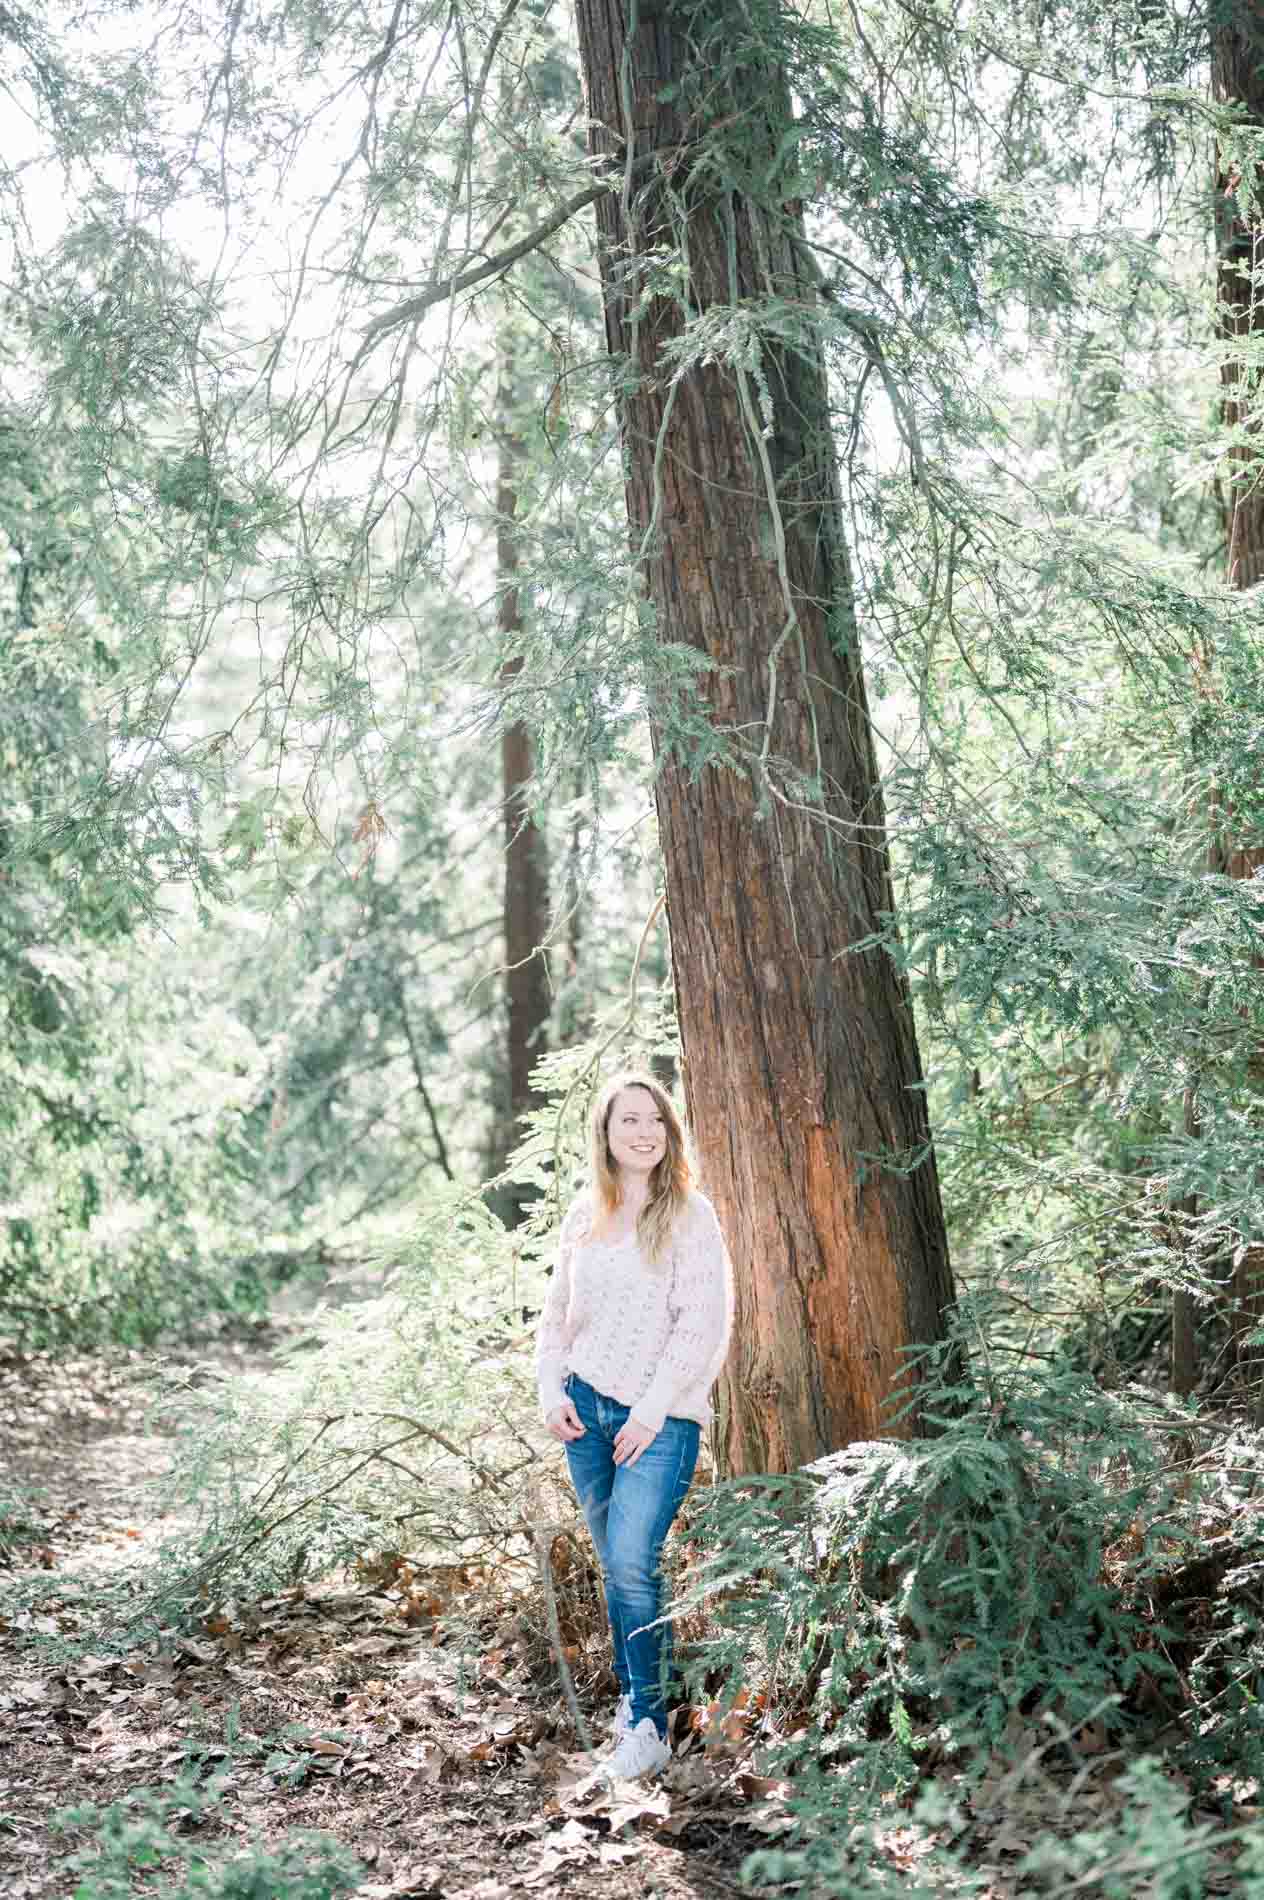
x=702, y=1315
x=550, y=1335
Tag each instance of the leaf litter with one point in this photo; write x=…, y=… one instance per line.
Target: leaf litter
x=357, y=1708
x=348, y=1707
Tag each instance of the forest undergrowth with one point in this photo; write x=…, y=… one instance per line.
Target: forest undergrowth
x=323, y=1622
x=394, y=1730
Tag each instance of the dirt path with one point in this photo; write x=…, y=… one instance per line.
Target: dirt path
x=452, y=1776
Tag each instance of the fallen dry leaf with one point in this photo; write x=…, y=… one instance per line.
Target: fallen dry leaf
x=415, y=1882
x=200, y=1652
x=429, y=1763
x=31, y=1691
x=370, y=1646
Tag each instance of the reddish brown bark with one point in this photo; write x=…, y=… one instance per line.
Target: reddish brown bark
x=800, y=1060
x=1237, y=76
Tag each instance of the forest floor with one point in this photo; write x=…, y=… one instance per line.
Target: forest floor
x=451, y=1777
x=453, y=1774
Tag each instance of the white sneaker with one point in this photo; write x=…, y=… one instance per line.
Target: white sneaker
x=641, y=1751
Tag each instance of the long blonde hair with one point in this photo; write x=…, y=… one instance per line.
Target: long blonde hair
x=669, y=1179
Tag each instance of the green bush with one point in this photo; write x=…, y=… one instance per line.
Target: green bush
x=149, y=1831
x=1145, y=1841
x=1041, y=1564
x=397, y=1423
x=22, y=1521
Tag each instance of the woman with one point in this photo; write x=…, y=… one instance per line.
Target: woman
x=632, y=1334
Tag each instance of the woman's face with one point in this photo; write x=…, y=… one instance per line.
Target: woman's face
x=636, y=1132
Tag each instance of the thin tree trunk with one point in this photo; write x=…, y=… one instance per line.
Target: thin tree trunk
x=1184, y=1345
x=1184, y=1357
x=526, y=883
x=1237, y=76
x=419, y=1076
x=801, y=1065
x=574, y=1007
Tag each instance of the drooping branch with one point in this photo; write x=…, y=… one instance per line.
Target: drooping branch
x=451, y=286
x=258, y=1522
x=414, y=307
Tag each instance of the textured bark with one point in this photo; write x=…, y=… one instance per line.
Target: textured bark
x=1184, y=1350
x=800, y=1060
x=1237, y=75
x=526, y=885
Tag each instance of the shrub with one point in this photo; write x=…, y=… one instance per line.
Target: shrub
x=396, y=1424
x=1040, y=1565
x=149, y=1831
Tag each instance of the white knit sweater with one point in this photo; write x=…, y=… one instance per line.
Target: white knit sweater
x=654, y=1337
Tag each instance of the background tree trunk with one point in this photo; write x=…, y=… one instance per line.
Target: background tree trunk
x=574, y=1017
x=801, y=1065
x=1237, y=75
x=1184, y=1369
x=526, y=885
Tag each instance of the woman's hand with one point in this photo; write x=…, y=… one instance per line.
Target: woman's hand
x=564, y=1422
x=630, y=1441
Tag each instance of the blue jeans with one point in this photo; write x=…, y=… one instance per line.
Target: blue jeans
x=629, y=1509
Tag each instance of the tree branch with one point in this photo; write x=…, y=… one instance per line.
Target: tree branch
x=414, y=307
x=422, y=1090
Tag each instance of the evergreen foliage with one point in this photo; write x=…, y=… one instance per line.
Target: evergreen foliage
x=150, y=1831
x=1029, y=1586
x=1019, y=371
x=249, y=836
x=405, y=1415
x=394, y=1425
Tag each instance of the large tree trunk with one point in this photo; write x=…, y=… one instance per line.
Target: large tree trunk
x=526, y=883
x=1237, y=76
x=801, y=1064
